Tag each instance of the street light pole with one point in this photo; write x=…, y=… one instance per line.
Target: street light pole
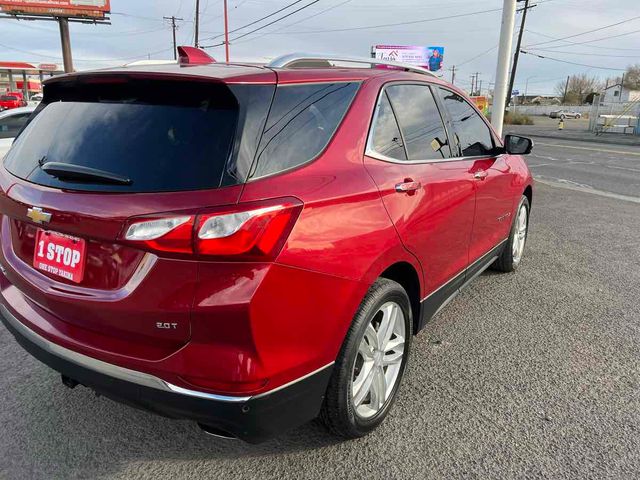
x=526, y=87
x=502, y=72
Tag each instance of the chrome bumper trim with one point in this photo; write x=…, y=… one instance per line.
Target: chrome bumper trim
x=109, y=369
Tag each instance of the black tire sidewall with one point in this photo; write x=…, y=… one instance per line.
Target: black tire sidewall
x=384, y=291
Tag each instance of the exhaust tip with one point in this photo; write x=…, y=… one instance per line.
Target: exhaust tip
x=216, y=432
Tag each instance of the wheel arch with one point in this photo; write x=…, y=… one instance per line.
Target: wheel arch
x=528, y=192
x=406, y=275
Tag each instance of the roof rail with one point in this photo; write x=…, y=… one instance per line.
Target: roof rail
x=301, y=60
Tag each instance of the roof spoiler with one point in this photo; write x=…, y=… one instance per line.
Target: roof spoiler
x=193, y=56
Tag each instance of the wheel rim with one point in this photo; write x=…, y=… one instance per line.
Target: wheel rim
x=378, y=362
x=520, y=235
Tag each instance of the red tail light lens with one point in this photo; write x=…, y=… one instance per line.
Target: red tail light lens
x=255, y=231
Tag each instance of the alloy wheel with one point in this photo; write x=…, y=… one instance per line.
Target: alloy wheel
x=520, y=235
x=378, y=361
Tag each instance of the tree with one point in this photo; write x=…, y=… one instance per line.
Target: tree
x=580, y=86
x=632, y=77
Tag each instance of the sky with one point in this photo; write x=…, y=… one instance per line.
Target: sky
x=351, y=27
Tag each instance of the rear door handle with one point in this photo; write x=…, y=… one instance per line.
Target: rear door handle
x=481, y=175
x=407, y=186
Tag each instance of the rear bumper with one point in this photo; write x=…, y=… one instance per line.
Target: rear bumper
x=251, y=418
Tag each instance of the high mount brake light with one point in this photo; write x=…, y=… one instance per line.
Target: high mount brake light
x=255, y=231
x=193, y=56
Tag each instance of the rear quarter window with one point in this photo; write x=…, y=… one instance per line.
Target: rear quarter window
x=301, y=122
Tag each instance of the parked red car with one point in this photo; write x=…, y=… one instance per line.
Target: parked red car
x=250, y=247
x=11, y=100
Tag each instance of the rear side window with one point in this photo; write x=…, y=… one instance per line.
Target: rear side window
x=422, y=128
x=10, y=126
x=386, y=137
x=473, y=134
x=162, y=135
x=301, y=122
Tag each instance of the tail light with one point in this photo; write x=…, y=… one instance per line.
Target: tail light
x=252, y=231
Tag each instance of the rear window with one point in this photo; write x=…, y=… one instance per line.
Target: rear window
x=162, y=135
x=302, y=121
x=8, y=97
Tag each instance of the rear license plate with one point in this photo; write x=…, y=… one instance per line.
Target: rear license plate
x=60, y=255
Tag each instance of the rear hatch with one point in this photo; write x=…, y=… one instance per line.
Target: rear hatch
x=108, y=151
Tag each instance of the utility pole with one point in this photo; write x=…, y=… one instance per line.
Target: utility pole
x=516, y=56
x=474, y=83
x=226, y=31
x=502, y=71
x=480, y=89
x=453, y=75
x=65, y=39
x=566, y=89
x=174, y=28
x=197, y=24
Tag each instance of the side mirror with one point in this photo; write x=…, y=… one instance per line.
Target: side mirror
x=516, y=145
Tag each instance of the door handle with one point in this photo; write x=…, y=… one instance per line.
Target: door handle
x=407, y=186
x=481, y=175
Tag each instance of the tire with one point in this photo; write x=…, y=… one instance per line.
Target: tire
x=511, y=256
x=578, y=116
x=350, y=409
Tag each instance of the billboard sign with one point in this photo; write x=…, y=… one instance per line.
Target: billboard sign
x=431, y=58
x=58, y=8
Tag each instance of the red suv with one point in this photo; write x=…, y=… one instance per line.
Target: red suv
x=250, y=247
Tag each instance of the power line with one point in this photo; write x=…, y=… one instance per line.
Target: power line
x=413, y=22
x=270, y=23
x=588, y=31
x=298, y=22
x=572, y=63
x=477, y=56
x=259, y=20
x=397, y=24
x=582, y=53
x=569, y=44
x=103, y=60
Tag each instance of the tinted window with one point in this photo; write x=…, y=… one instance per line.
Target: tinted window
x=473, y=133
x=8, y=97
x=386, y=138
x=302, y=120
x=10, y=126
x=422, y=128
x=164, y=136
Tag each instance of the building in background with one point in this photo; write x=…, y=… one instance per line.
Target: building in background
x=25, y=77
x=618, y=93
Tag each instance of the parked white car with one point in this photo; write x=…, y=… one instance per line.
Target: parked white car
x=565, y=114
x=11, y=122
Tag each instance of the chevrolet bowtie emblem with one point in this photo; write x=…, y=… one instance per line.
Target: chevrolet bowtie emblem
x=38, y=215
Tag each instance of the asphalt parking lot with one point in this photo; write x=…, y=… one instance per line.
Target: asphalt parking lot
x=527, y=375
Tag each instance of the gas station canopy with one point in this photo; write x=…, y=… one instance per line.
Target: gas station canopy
x=15, y=76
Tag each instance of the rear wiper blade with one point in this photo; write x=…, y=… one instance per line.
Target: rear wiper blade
x=67, y=171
